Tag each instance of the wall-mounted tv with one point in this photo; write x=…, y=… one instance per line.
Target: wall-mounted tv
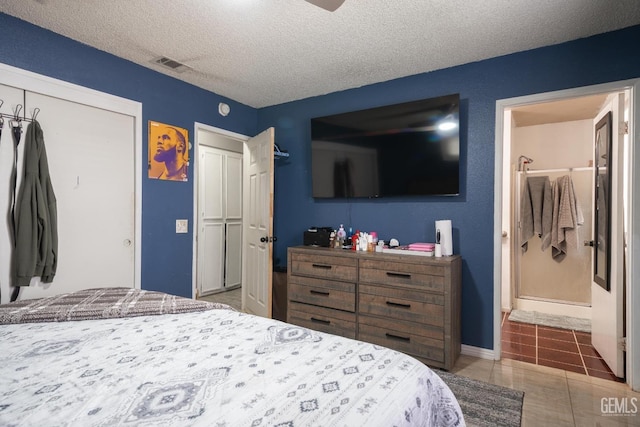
x=408, y=149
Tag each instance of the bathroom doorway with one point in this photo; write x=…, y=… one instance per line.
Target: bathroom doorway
x=552, y=136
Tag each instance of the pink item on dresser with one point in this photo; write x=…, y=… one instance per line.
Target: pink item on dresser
x=425, y=247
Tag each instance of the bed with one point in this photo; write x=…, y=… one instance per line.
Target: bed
x=119, y=356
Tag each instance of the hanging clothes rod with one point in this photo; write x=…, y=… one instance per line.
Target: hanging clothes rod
x=581, y=169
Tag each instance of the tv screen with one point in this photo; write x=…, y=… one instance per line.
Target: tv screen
x=408, y=149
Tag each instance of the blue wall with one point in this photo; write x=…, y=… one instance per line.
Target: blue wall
x=166, y=256
x=603, y=58
x=599, y=59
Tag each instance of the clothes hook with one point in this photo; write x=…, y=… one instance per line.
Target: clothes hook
x=16, y=112
x=34, y=114
x=1, y=102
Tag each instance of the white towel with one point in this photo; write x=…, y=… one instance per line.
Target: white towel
x=567, y=216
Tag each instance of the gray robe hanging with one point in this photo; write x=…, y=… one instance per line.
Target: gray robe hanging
x=36, y=252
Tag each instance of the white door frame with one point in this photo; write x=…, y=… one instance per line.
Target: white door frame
x=242, y=139
x=633, y=233
x=38, y=83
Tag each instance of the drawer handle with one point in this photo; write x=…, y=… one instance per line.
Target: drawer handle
x=402, y=275
x=397, y=304
x=324, y=322
x=398, y=337
x=323, y=266
x=314, y=292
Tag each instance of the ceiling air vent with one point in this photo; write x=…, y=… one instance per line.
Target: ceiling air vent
x=171, y=64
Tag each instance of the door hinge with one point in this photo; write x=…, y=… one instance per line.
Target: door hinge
x=623, y=344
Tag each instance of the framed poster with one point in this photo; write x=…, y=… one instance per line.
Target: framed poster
x=168, y=152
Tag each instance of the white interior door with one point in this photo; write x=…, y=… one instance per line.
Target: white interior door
x=258, y=224
x=91, y=157
x=220, y=219
x=94, y=145
x=11, y=97
x=211, y=220
x=607, y=291
x=233, y=215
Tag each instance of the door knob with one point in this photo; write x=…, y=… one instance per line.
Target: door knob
x=264, y=239
x=588, y=242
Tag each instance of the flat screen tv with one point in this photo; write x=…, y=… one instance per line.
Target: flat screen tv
x=408, y=149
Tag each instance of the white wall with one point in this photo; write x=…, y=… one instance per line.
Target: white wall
x=554, y=145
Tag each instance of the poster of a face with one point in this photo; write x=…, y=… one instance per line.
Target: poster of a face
x=168, y=152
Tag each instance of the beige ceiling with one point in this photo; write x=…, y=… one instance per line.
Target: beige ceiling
x=581, y=108
x=266, y=52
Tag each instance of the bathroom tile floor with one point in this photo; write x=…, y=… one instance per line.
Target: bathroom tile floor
x=556, y=348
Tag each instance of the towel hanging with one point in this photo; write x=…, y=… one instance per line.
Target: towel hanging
x=567, y=216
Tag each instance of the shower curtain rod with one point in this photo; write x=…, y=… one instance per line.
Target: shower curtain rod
x=581, y=169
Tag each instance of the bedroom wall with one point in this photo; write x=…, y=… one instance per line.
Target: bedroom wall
x=599, y=59
x=166, y=256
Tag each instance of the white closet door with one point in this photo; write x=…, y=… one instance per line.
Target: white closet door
x=91, y=155
x=11, y=97
x=210, y=221
x=233, y=190
x=220, y=219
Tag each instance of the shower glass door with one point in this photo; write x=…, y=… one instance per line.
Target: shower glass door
x=540, y=277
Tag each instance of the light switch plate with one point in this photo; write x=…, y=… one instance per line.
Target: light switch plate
x=182, y=225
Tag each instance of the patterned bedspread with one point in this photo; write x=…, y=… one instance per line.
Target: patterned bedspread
x=100, y=303
x=210, y=368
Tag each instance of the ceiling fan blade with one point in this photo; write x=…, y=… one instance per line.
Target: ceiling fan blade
x=330, y=5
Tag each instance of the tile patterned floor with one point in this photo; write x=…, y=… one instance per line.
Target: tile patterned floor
x=555, y=397
x=557, y=348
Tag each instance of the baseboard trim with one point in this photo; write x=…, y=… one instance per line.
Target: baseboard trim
x=482, y=353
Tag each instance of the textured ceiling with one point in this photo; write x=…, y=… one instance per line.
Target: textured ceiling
x=266, y=52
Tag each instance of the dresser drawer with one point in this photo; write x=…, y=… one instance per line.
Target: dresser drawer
x=402, y=340
x=324, y=266
x=338, y=295
x=402, y=304
x=427, y=276
x=322, y=319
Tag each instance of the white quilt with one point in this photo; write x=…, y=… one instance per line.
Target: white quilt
x=211, y=368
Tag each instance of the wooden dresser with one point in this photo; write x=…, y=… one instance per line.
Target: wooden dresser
x=409, y=303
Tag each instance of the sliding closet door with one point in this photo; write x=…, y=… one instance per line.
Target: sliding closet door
x=10, y=97
x=219, y=219
x=91, y=161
